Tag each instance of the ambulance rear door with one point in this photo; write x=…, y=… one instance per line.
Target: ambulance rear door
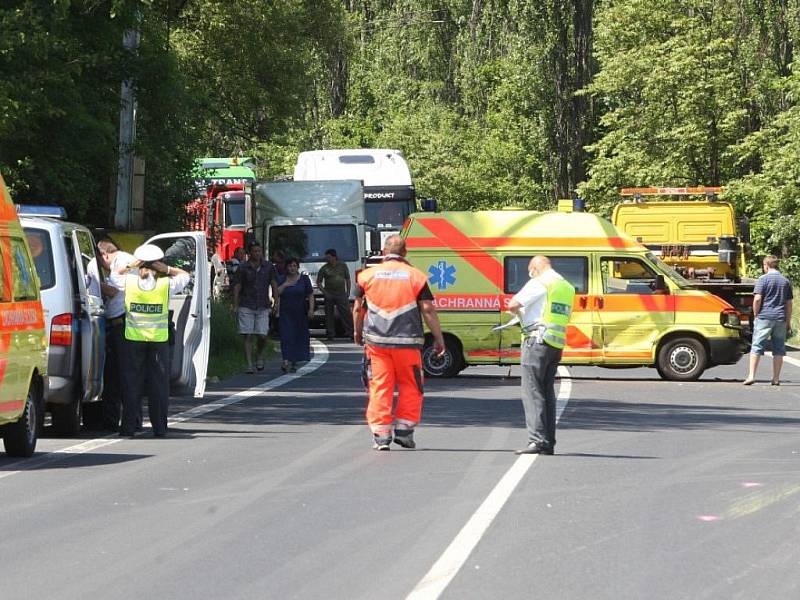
x=190, y=310
x=633, y=307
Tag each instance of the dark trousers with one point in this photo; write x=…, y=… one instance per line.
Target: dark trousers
x=539, y=364
x=148, y=372
x=340, y=302
x=114, y=373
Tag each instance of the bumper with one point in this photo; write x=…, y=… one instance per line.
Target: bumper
x=726, y=350
x=59, y=390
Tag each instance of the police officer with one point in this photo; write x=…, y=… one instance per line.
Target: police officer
x=543, y=306
x=390, y=299
x=149, y=283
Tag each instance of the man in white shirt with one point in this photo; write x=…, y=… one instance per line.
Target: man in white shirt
x=114, y=373
x=544, y=306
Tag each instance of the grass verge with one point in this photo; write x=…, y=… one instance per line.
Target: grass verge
x=226, y=355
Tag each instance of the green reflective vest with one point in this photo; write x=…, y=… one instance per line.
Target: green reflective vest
x=557, y=310
x=146, y=311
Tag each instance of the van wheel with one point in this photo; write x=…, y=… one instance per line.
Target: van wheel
x=682, y=359
x=448, y=365
x=67, y=417
x=20, y=438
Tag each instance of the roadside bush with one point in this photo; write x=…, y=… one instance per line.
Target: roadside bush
x=226, y=355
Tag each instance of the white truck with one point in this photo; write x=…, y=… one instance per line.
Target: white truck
x=305, y=218
x=389, y=193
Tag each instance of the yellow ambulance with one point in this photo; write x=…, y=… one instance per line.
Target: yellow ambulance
x=23, y=345
x=630, y=308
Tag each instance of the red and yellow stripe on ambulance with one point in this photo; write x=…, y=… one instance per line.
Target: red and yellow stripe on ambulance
x=476, y=261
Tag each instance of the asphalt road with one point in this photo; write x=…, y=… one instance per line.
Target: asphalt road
x=268, y=488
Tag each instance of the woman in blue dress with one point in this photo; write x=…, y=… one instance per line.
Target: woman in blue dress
x=296, y=308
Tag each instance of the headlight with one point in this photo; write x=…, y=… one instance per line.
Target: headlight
x=730, y=318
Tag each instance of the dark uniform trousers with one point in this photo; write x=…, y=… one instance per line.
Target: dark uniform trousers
x=115, y=379
x=148, y=372
x=539, y=364
x=341, y=303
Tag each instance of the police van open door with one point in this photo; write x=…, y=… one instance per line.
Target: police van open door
x=190, y=311
x=92, y=324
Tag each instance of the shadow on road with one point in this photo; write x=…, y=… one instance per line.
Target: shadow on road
x=70, y=461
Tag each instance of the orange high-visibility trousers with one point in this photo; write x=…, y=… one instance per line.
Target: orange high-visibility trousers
x=401, y=367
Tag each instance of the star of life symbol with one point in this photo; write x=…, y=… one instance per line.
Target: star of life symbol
x=442, y=275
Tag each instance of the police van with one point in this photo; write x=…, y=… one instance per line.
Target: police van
x=630, y=308
x=23, y=345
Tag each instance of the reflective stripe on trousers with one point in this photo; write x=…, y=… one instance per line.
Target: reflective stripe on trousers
x=390, y=367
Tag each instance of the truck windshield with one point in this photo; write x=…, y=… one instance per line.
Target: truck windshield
x=308, y=242
x=669, y=271
x=234, y=212
x=388, y=213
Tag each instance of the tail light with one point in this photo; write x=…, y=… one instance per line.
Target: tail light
x=730, y=318
x=61, y=330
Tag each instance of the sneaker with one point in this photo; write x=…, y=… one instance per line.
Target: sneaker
x=381, y=443
x=534, y=448
x=405, y=438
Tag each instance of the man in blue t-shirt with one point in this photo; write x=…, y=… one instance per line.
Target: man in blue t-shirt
x=772, y=310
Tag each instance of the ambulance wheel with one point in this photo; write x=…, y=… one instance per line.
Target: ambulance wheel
x=448, y=365
x=682, y=359
x=67, y=417
x=20, y=438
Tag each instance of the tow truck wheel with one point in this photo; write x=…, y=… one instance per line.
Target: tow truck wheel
x=20, y=438
x=682, y=359
x=448, y=365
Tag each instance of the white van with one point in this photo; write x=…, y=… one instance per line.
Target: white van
x=74, y=315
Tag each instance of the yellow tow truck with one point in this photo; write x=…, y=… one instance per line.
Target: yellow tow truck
x=695, y=233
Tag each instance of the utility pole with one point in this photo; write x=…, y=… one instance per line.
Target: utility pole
x=127, y=138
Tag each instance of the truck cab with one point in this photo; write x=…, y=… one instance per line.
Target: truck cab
x=389, y=193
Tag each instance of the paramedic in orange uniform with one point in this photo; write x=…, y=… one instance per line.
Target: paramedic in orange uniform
x=390, y=300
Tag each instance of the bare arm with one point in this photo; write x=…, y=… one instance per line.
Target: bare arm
x=428, y=311
x=756, y=305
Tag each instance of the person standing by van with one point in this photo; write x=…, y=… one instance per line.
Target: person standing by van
x=544, y=306
x=772, y=311
x=333, y=279
x=114, y=373
x=148, y=288
x=390, y=299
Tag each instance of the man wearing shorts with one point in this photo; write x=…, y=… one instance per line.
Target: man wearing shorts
x=772, y=310
x=251, y=301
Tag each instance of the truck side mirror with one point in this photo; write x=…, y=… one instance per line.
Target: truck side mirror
x=428, y=205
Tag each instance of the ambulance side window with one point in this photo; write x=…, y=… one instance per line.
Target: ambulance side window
x=22, y=269
x=572, y=268
x=626, y=275
x=5, y=284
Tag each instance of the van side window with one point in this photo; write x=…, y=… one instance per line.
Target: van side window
x=626, y=275
x=572, y=268
x=22, y=271
x=42, y=252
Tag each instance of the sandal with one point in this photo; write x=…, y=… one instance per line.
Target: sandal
x=249, y=370
x=285, y=367
x=259, y=365
x=776, y=382
x=748, y=382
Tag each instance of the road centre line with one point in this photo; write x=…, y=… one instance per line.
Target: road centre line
x=319, y=358
x=792, y=361
x=450, y=562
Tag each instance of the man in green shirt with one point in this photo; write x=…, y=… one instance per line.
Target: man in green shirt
x=333, y=280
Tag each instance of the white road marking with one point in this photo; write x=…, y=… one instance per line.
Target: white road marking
x=320, y=358
x=450, y=562
x=791, y=361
